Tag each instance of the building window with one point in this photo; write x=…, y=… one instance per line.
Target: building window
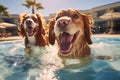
x=117, y=9
x=117, y=25
x=101, y=27
x=100, y=13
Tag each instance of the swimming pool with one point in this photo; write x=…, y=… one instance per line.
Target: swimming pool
x=14, y=66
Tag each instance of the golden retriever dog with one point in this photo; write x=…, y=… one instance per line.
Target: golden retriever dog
x=32, y=29
x=71, y=30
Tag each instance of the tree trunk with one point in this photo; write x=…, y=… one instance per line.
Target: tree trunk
x=33, y=10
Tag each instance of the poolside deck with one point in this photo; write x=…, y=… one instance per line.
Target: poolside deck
x=106, y=35
x=12, y=38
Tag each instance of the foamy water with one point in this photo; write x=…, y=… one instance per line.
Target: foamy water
x=45, y=59
x=48, y=66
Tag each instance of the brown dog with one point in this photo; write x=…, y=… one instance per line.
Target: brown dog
x=31, y=27
x=71, y=29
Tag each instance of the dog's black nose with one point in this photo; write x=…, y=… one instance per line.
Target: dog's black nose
x=28, y=22
x=62, y=22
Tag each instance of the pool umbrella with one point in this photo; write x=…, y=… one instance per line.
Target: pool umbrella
x=111, y=16
x=4, y=25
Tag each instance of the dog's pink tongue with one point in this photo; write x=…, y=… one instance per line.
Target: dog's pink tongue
x=30, y=32
x=65, y=42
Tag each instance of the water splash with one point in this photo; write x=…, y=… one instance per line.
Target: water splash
x=41, y=66
x=13, y=64
x=103, y=48
x=50, y=62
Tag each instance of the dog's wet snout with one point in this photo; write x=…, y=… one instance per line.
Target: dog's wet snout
x=63, y=23
x=28, y=22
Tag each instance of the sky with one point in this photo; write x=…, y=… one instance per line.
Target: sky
x=52, y=6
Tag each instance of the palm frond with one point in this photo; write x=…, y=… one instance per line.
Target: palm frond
x=3, y=10
x=33, y=4
x=6, y=13
x=26, y=5
x=39, y=6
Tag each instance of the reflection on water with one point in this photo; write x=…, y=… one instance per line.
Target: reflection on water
x=14, y=65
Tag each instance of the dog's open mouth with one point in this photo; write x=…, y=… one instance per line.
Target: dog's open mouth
x=30, y=31
x=66, y=41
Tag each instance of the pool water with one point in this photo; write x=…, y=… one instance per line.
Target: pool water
x=15, y=66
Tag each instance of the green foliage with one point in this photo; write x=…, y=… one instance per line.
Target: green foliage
x=3, y=10
x=33, y=4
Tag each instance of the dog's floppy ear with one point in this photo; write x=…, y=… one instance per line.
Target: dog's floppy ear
x=51, y=32
x=87, y=25
x=20, y=29
x=41, y=23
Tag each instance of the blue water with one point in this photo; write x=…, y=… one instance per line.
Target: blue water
x=15, y=66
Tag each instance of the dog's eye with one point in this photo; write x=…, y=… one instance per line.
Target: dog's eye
x=75, y=16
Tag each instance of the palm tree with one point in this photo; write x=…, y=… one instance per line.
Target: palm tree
x=3, y=11
x=33, y=4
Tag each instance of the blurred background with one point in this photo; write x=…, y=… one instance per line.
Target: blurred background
x=105, y=14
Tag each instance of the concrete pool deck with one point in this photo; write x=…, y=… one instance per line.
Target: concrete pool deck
x=12, y=38
x=105, y=35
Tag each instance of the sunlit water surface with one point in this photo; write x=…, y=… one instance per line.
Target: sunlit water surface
x=14, y=65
